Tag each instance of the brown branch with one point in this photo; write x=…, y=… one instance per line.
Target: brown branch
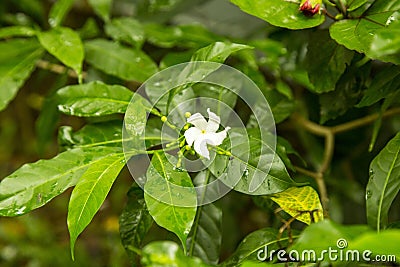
x=328, y=152
x=362, y=121
x=306, y=172
x=329, y=133
x=59, y=69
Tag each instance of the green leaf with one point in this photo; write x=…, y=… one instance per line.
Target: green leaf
x=375, y=129
x=65, y=44
x=13, y=31
x=358, y=34
x=257, y=178
x=284, y=148
x=280, y=105
x=325, y=236
x=120, y=61
x=383, y=184
x=386, y=41
x=326, y=61
x=284, y=89
x=167, y=253
x=220, y=93
x=253, y=243
x=384, y=243
x=155, y=90
x=347, y=92
x=32, y=8
x=58, y=11
x=102, y=8
x=93, y=99
x=174, y=58
x=217, y=52
x=256, y=264
x=126, y=30
x=99, y=134
x=162, y=36
x=35, y=184
x=280, y=13
x=136, y=116
x=383, y=84
x=354, y=4
x=322, y=235
x=135, y=221
x=191, y=36
x=389, y=100
x=301, y=203
x=205, y=238
x=170, y=197
x=90, y=193
x=17, y=61
x=89, y=30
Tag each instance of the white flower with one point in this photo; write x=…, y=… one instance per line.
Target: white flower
x=204, y=133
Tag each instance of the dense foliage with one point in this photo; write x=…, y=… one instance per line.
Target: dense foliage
x=94, y=86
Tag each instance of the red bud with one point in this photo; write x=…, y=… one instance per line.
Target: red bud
x=308, y=9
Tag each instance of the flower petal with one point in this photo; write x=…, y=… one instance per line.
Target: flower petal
x=213, y=122
x=198, y=120
x=200, y=146
x=216, y=139
x=192, y=134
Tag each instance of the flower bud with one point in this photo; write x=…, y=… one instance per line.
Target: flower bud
x=310, y=7
x=164, y=119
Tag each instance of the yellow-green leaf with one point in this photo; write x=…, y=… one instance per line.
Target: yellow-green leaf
x=301, y=203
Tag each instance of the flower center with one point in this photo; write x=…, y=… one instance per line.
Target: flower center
x=203, y=131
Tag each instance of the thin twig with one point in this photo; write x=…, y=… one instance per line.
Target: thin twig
x=329, y=15
x=328, y=152
x=59, y=69
x=306, y=172
x=329, y=133
x=363, y=121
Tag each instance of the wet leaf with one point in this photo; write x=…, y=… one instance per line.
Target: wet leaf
x=35, y=184
x=17, y=61
x=65, y=44
x=93, y=99
x=120, y=61
x=205, y=238
x=170, y=197
x=280, y=13
x=58, y=12
x=359, y=33
x=135, y=221
x=90, y=192
x=384, y=183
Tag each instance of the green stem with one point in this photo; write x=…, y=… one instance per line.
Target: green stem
x=136, y=250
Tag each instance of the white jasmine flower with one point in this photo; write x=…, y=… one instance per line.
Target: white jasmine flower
x=204, y=132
